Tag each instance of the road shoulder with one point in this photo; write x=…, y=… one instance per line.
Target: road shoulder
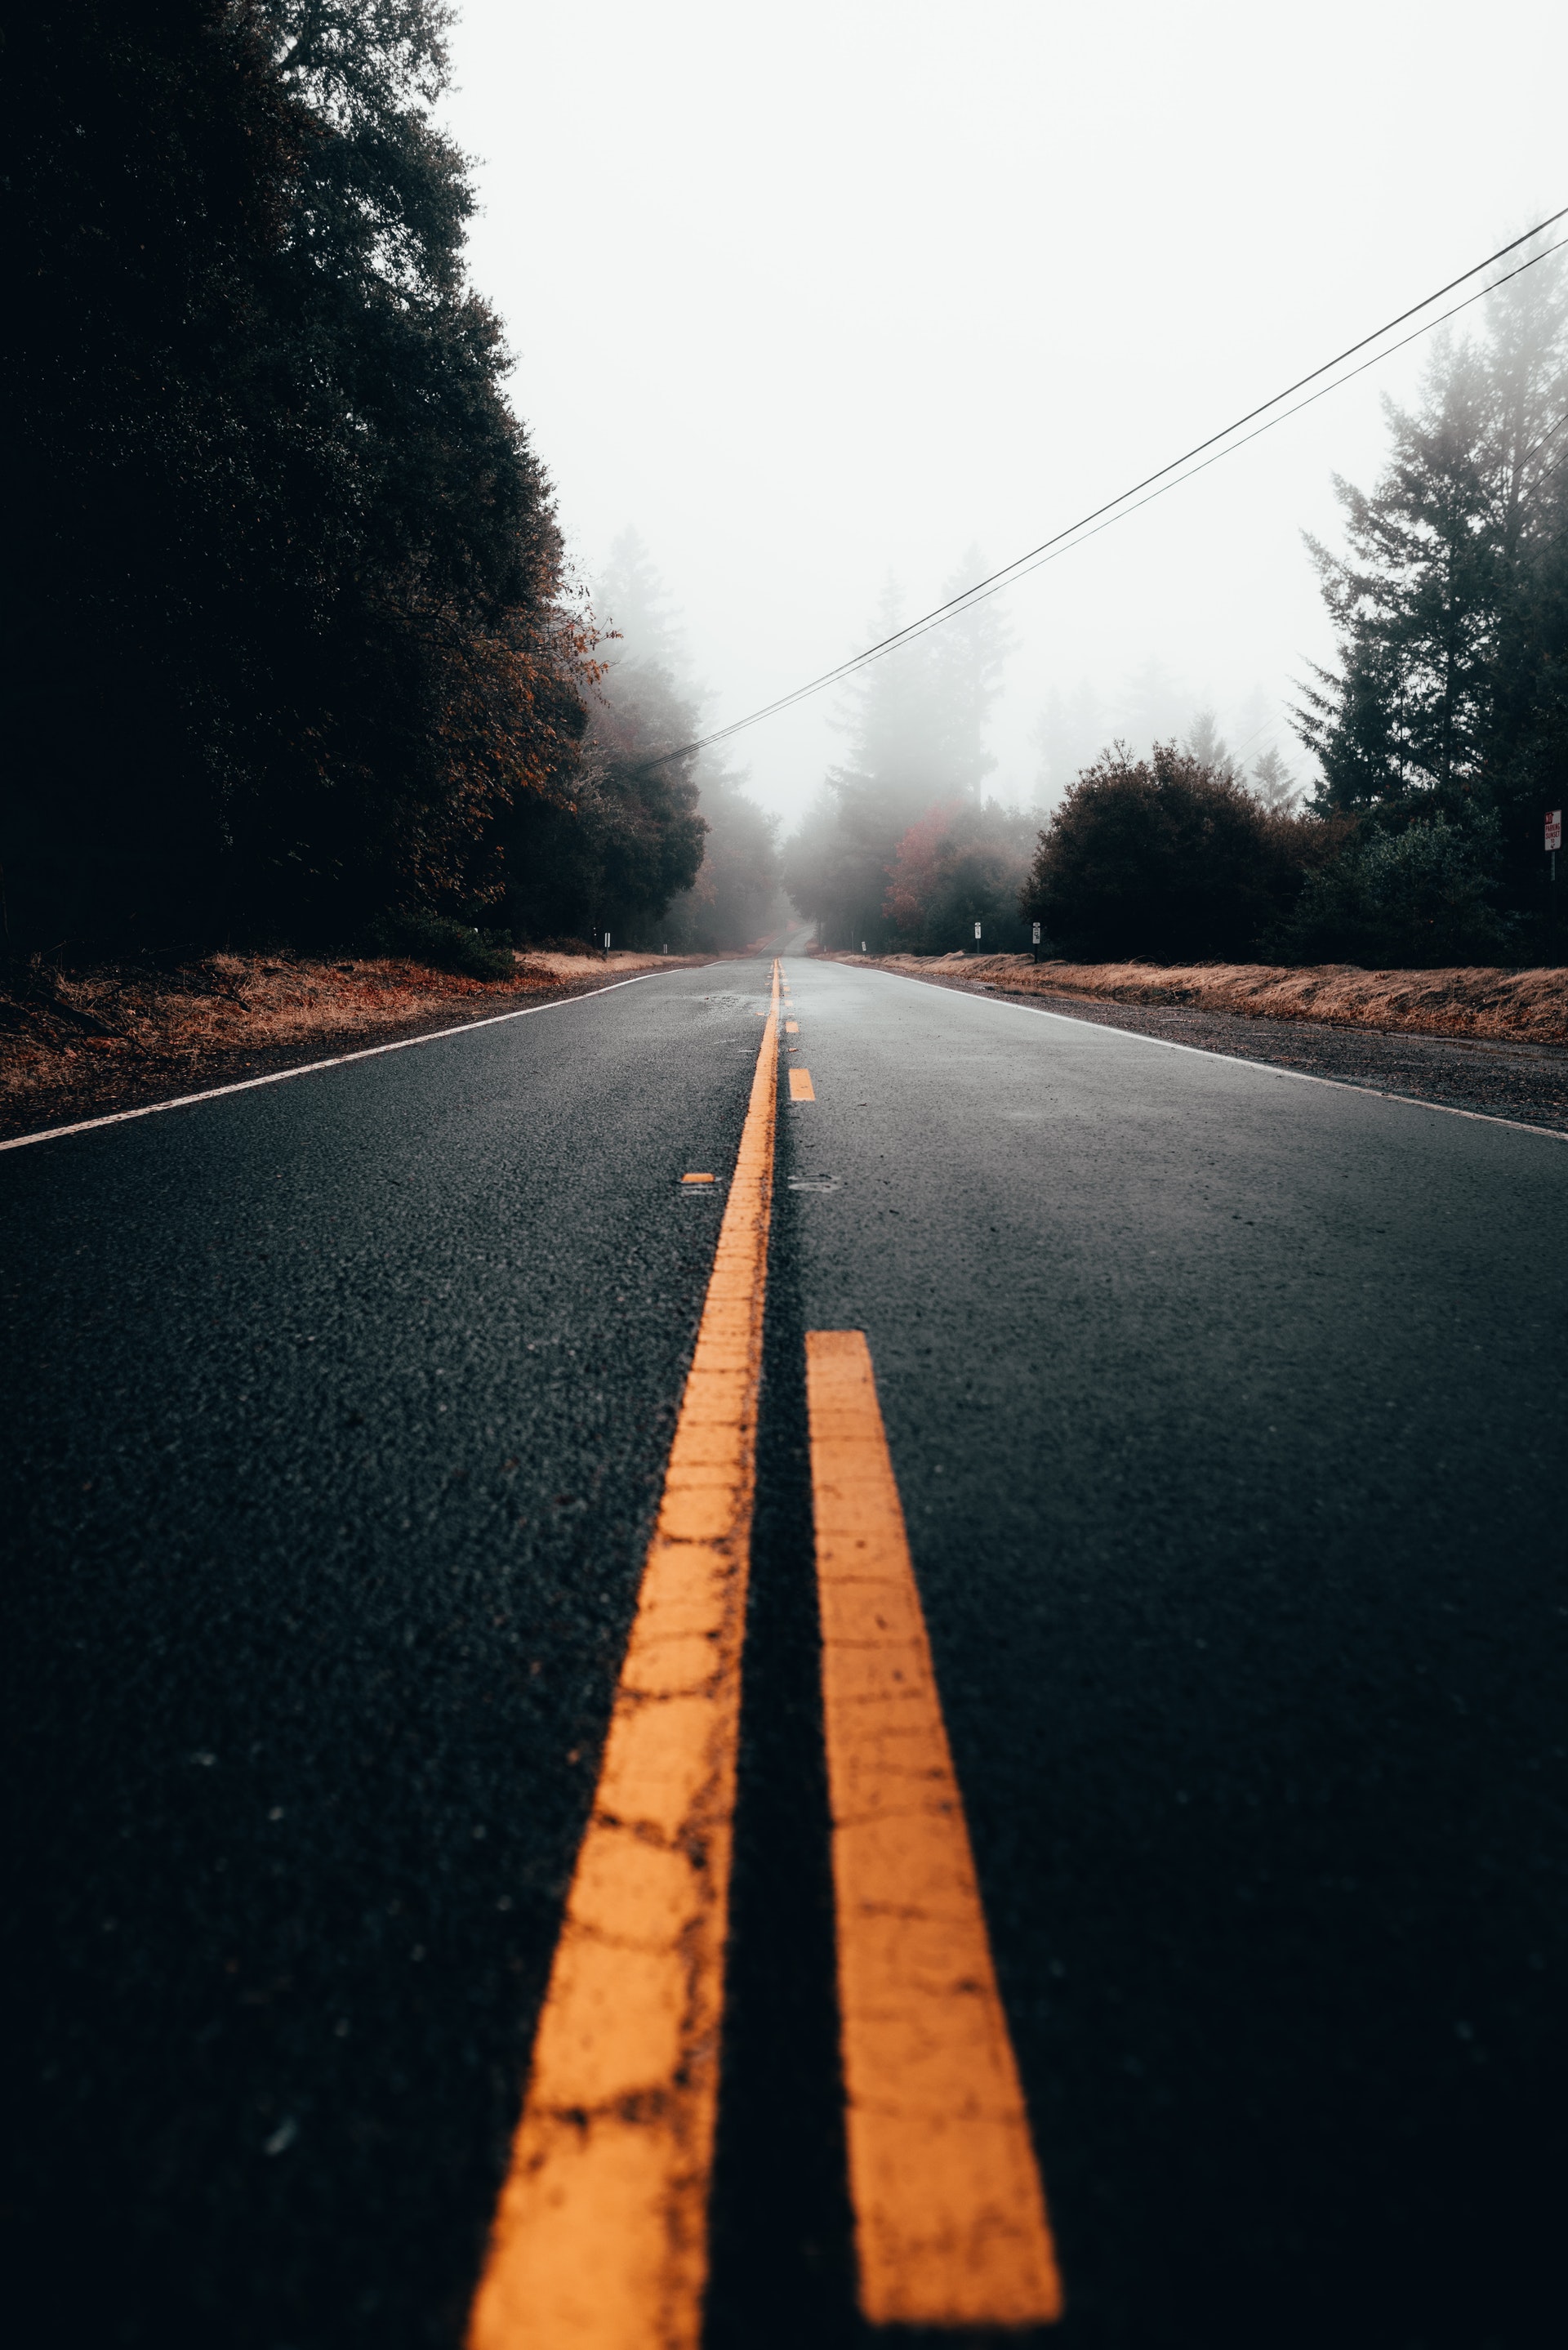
x=1492, y=1078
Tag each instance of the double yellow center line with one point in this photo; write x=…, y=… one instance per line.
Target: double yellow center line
x=599, y=2240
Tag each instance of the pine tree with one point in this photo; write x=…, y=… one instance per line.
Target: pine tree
x=1450, y=603
x=1416, y=605
x=286, y=576
x=1273, y=782
x=1208, y=747
x=656, y=851
x=915, y=721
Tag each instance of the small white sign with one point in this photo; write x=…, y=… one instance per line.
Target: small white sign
x=977, y=930
x=1553, y=827
x=1036, y=934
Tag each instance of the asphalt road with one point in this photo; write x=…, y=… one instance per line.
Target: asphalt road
x=1227, y=1411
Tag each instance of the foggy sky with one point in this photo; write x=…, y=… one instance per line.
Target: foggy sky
x=815, y=294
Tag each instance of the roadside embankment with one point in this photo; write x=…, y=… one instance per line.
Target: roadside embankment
x=1528, y=1005
x=79, y=1045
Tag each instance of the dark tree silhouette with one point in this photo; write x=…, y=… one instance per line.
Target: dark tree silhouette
x=1450, y=601
x=284, y=605
x=1166, y=860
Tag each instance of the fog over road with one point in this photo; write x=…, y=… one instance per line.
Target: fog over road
x=1226, y=1412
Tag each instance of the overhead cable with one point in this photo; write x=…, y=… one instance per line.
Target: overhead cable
x=1140, y=493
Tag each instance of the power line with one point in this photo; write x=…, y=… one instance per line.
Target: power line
x=1078, y=534
x=1154, y=485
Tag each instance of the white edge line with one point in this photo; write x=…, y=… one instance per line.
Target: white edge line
x=309, y=1068
x=1238, y=1060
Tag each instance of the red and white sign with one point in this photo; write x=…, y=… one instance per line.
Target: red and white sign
x=1553, y=827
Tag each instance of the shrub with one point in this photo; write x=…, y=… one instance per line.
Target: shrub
x=1163, y=860
x=444, y=944
x=1412, y=899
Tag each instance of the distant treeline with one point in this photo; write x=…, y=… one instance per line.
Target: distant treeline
x=631, y=841
x=1441, y=734
x=901, y=850
x=292, y=649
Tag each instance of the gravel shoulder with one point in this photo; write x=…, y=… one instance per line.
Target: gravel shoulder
x=1491, y=1078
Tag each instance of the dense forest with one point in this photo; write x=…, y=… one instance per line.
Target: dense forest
x=294, y=650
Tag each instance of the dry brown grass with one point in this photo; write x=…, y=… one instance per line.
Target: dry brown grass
x=71, y=1031
x=1530, y=1004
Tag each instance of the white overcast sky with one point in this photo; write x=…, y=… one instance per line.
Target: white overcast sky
x=812, y=294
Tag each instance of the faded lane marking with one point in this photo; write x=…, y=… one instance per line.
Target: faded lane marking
x=949, y=2217
x=599, y=2239
x=696, y=1179
x=800, y=1086
x=792, y=1027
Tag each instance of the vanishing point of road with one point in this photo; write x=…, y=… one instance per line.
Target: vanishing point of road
x=974, y=1707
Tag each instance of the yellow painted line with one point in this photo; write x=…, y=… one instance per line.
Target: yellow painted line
x=696, y=1179
x=949, y=2217
x=792, y=1027
x=800, y=1086
x=599, y=2240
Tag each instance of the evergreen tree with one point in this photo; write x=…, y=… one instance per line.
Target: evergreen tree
x=966, y=657
x=657, y=850
x=915, y=721
x=1450, y=603
x=734, y=898
x=1273, y=782
x=1416, y=606
x=629, y=838
x=284, y=603
x=1210, y=748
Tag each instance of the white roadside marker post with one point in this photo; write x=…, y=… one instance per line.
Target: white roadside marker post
x=1553, y=843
